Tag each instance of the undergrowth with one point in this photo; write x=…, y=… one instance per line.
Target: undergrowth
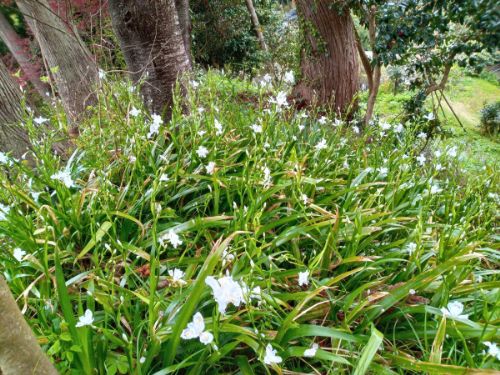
x=111, y=255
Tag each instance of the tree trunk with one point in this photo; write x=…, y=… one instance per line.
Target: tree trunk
x=182, y=7
x=72, y=66
x=256, y=25
x=151, y=40
x=329, y=62
x=19, y=349
x=13, y=138
x=375, y=67
x=15, y=44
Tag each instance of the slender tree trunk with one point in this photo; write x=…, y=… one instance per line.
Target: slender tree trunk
x=19, y=349
x=151, y=40
x=329, y=62
x=15, y=44
x=375, y=67
x=256, y=25
x=72, y=66
x=182, y=7
x=13, y=138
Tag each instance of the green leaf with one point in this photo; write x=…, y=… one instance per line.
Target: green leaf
x=369, y=352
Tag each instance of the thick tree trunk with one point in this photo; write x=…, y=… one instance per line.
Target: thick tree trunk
x=15, y=44
x=19, y=349
x=13, y=138
x=256, y=25
x=72, y=66
x=182, y=7
x=329, y=63
x=151, y=40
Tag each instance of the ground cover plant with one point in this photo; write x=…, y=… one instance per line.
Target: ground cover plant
x=248, y=237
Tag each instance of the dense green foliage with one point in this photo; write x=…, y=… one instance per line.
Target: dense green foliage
x=223, y=34
x=389, y=232
x=490, y=118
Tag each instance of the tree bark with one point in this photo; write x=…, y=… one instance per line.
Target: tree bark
x=72, y=66
x=329, y=62
x=19, y=349
x=13, y=138
x=182, y=7
x=15, y=44
x=151, y=40
x=256, y=25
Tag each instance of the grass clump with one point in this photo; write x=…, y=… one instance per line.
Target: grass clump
x=302, y=243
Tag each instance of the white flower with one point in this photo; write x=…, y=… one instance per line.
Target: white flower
x=385, y=125
x=225, y=291
x=322, y=120
x=412, y=291
x=411, y=247
x=171, y=237
x=280, y=100
x=454, y=310
x=267, y=177
x=164, y=178
x=435, y=189
x=398, y=128
x=18, y=254
x=210, y=168
x=256, y=128
x=304, y=198
x=492, y=349
x=177, y=276
x=4, y=159
x=421, y=159
x=437, y=153
x=102, y=74
x=194, y=84
x=206, y=338
x=271, y=358
x=134, y=112
x=452, y=152
x=218, y=127
x=132, y=159
x=337, y=122
x=422, y=135
x=196, y=329
x=4, y=210
x=201, y=133
x=304, y=278
x=439, y=167
x=142, y=360
x=355, y=129
x=40, y=120
x=321, y=145
x=267, y=78
x=202, y=152
x=289, y=77
x=383, y=171
x=65, y=177
x=85, y=320
x=154, y=128
x=430, y=116
x=311, y=352
x=301, y=127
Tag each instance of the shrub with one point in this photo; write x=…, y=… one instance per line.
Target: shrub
x=490, y=118
x=319, y=235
